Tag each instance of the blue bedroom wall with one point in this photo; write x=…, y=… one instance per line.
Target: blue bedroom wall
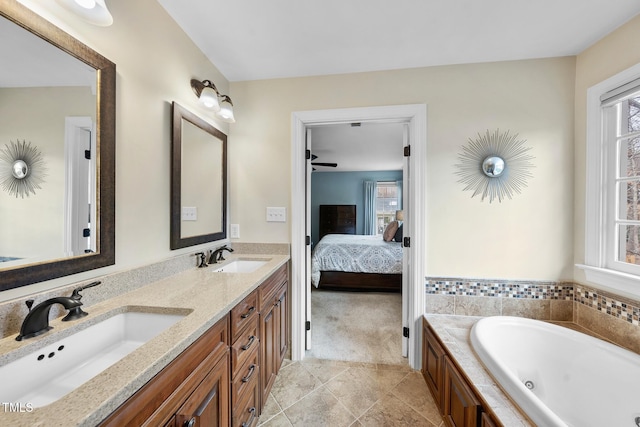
x=343, y=188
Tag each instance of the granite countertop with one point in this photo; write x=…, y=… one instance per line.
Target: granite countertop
x=206, y=297
x=454, y=332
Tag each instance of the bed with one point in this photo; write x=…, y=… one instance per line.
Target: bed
x=357, y=263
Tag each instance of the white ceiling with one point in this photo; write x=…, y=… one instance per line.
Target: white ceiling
x=370, y=146
x=257, y=39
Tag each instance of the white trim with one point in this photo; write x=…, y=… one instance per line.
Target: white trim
x=596, y=195
x=416, y=117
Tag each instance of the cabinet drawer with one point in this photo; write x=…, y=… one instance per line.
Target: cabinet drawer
x=243, y=314
x=244, y=346
x=266, y=291
x=246, y=413
x=246, y=379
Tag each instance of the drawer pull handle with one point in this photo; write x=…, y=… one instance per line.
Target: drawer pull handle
x=191, y=422
x=252, y=338
x=248, y=313
x=252, y=411
x=252, y=369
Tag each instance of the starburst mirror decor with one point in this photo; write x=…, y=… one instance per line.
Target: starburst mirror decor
x=22, y=168
x=495, y=165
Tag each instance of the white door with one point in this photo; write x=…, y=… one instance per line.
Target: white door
x=406, y=254
x=80, y=170
x=308, y=170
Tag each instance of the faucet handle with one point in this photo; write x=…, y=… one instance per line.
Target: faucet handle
x=76, y=292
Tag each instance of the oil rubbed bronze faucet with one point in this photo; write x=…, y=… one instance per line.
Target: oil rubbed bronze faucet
x=37, y=320
x=217, y=254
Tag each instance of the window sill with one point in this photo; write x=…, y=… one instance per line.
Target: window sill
x=624, y=283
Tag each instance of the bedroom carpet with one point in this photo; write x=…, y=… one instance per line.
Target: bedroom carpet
x=356, y=327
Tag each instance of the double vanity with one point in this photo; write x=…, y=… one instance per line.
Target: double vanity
x=201, y=345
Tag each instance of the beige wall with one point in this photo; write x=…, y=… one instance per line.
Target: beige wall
x=529, y=236
x=616, y=52
x=155, y=60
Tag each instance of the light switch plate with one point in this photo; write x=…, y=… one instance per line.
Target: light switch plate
x=189, y=213
x=235, y=231
x=276, y=214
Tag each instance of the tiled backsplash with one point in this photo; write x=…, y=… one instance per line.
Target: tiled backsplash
x=613, y=317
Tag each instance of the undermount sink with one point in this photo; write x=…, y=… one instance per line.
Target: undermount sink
x=51, y=372
x=241, y=266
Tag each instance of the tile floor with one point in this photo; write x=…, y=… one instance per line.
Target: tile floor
x=316, y=393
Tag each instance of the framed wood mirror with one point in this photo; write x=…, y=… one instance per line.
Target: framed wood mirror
x=198, y=180
x=52, y=85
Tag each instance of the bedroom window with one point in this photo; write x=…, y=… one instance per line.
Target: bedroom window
x=612, y=217
x=386, y=204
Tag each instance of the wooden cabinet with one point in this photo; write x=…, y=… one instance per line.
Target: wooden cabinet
x=337, y=219
x=195, y=384
x=214, y=383
x=458, y=402
x=245, y=363
x=274, y=326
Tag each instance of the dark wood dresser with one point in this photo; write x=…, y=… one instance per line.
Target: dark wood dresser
x=337, y=219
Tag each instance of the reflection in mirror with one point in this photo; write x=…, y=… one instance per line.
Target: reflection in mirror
x=57, y=96
x=198, y=181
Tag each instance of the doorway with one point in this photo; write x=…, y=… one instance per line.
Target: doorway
x=413, y=278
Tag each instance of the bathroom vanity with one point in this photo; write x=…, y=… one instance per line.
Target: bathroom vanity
x=215, y=366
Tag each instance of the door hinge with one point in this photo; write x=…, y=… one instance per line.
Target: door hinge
x=406, y=242
x=87, y=154
x=407, y=151
x=307, y=154
x=405, y=332
x=307, y=240
x=307, y=325
x=86, y=232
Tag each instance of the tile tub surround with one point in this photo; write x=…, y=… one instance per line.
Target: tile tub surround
x=12, y=312
x=207, y=295
x=603, y=313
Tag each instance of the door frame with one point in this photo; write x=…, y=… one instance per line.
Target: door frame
x=415, y=115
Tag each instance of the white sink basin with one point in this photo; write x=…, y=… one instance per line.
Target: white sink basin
x=241, y=266
x=51, y=372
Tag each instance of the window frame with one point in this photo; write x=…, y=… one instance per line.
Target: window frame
x=386, y=184
x=599, y=266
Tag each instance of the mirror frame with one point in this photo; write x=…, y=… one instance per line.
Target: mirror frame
x=180, y=113
x=106, y=149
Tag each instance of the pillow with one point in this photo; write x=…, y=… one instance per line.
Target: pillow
x=390, y=231
x=398, y=235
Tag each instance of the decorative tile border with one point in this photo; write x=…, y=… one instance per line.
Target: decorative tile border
x=500, y=288
x=608, y=303
x=602, y=301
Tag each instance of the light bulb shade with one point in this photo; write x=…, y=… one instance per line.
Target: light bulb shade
x=399, y=215
x=92, y=11
x=209, y=98
x=226, y=110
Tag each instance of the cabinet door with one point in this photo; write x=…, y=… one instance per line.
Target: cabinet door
x=268, y=334
x=282, y=315
x=209, y=403
x=461, y=407
x=432, y=370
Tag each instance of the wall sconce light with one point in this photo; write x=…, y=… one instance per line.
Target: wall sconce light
x=209, y=96
x=92, y=11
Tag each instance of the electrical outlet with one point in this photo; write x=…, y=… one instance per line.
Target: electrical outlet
x=276, y=214
x=235, y=231
x=189, y=213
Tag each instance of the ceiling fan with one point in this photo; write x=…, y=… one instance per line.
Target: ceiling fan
x=330, y=165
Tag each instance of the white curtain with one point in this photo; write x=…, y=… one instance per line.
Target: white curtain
x=370, y=207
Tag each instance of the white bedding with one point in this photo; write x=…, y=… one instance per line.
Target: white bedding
x=355, y=253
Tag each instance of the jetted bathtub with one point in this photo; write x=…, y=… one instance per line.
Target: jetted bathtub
x=558, y=376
